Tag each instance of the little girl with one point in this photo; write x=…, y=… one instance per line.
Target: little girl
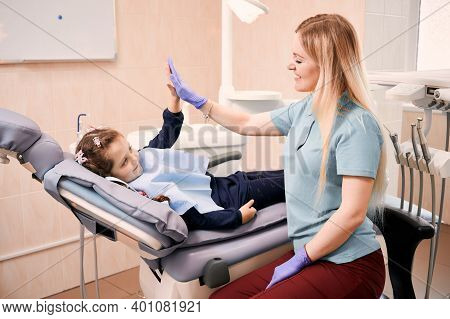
x=202, y=200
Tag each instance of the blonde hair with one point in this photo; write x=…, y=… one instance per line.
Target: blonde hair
x=331, y=41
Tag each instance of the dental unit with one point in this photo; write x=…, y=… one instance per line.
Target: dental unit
x=429, y=91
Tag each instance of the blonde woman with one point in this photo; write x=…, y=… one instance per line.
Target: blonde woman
x=334, y=170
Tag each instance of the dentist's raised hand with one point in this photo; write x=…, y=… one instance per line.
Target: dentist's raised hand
x=183, y=91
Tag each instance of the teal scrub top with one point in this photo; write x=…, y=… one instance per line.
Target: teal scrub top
x=355, y=148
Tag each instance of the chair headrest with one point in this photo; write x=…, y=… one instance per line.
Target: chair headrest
x=38, y=151
x=17, y=132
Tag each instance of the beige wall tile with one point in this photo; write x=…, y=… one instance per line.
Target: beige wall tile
x=111, y=257
x=32, y=276
x=72, y=95
x=71, y=263
x=14, y=275
x=34, y=90
x=109, y=113
x=41, y=222
x=9, y=98
x=27, y=183
x=10, y=179
x=134, y=40
x=193, y=9
x=137, y=6
x=145, y=94
x=262, y=48
x=132, y=258
x=70, y=226
x=68, y=136
x=11, y=221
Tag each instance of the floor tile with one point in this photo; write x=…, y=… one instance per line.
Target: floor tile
x=107, y=291
x=127, y=280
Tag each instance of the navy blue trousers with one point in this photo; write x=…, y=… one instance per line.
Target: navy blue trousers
x=232, y=192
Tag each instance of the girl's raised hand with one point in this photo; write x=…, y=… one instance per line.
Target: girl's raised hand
x=174, y=105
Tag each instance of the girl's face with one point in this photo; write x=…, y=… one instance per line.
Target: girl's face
x=126, y=160
x=306, y=71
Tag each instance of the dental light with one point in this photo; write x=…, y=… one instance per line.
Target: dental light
x=247, y=10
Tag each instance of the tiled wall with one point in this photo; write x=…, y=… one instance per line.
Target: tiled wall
x=434, y=47
x=389, y=46
x=262, y=49
x=390, y=41
x=125, y=94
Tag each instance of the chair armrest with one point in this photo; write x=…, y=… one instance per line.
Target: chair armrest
x=225, y=157
x=402, y=232
x=399, y=221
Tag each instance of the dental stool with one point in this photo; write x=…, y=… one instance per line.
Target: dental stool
x=402, y=233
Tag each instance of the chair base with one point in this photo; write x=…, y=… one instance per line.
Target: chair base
x=169, y=288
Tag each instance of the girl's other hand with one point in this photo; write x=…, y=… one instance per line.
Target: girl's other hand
x=247, y=211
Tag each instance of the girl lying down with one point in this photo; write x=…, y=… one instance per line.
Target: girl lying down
x=179, y=178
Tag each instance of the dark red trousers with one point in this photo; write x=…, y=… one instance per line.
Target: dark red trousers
x=361, y=278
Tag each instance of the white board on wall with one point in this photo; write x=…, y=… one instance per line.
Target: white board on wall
x=57, y=30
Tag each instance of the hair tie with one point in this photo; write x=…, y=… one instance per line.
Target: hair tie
x=97, y=141
x=90, y=129
x=79, y=157
x=93, y=128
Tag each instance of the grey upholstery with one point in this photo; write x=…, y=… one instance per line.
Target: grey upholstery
x=17, y=132
x=21, y=135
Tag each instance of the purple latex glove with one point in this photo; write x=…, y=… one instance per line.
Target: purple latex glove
x=291, y=267
x=183, y=91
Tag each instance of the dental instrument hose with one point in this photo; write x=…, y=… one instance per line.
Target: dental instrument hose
x=417, y=156
x=411, y=183
x=82, y=281
x=441, y=204
x=402, y=200
x=433, y=240
x=394, y=140
x=427, y=157
x=97, y=289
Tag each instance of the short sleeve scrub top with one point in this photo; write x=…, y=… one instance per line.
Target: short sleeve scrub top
x=354, y=149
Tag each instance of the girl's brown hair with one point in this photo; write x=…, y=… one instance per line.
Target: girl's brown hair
x=97, y=155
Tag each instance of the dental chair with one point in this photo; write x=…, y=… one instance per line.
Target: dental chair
x=175, y=263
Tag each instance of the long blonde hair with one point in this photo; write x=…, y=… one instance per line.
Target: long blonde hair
x=331, y=41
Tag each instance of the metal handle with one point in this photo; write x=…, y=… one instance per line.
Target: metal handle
x=423, y=141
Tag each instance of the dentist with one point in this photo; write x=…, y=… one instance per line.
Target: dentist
x=334, y=170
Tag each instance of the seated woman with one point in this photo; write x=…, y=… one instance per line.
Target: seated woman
x=201, y=199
